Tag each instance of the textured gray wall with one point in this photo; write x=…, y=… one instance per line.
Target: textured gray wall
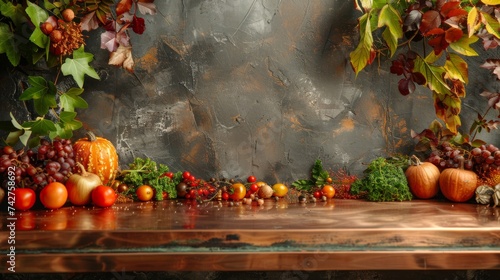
x=232, y=88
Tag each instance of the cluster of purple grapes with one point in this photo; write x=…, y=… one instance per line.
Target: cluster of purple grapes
x=481, y=160
x=35, y=168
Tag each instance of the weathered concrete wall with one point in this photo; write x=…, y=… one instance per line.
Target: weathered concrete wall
x=232, y=88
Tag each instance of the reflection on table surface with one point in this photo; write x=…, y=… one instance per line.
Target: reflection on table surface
x=284, y=231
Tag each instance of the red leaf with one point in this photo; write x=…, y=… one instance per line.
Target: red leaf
x=138, y=25
x=448, y=7
x=438, y=43
x=435, y=31
x=453, y=35
x=457, y=13
x=418, y=78
x=397, y=67
x=404, y=86
x=123, y=6
x=430, y=20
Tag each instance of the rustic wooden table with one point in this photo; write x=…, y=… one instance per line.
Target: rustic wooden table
x=183, y=235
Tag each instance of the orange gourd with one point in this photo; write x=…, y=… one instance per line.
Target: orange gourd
x=458, y=184
x=423, y=178
x=98, y=156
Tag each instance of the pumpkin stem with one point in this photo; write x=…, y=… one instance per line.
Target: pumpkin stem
x=91, y=136
x=417, y=160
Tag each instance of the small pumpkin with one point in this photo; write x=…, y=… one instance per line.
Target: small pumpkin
x=458, y=184
x=423, y=178
x=98, y=156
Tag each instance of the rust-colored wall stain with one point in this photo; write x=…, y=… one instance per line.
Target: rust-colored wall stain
x=149, y=61
x=346, y=125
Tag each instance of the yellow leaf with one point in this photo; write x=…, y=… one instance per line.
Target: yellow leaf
x=463, y=47
x=491, y=2
x=457, y=68
x=472, y=21
x=362, y=55
x=492, y=24
x=448, y=109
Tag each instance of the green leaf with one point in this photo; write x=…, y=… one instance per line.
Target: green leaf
x=390, y=17
x=457, y=68
x=44, y=103
x=362, y=55
x=8, y=46
x=37, y=15
x=14, y=122
x=433, y=76
x=13, y=137
x=40, y=126
x=78, y=66
x=24, y=138
x=68, y=118
x=14, y=12
x=38, y=87
x=61, y=131
x=71, y=100
x=463, y=47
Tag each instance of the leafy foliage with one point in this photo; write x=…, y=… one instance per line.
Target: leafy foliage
x=449, y=27
x=148, y=172
x=384, y=180
x=31, y=31
x=318, y=178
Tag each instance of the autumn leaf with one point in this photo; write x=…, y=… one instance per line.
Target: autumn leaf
x=123, y=7
x=390, y=17
x=491, y=24
x=491, y=2
x=492, y=65
x=108, y=41
x=138, y=25
x=463, y=46
x=457, y=68
x=146, y=7
x=473, y=23
x=434, y=75
x=122, y=57
x=363, y=54
x=448, y=109
x=78, y=66
x=430, y=20
x=90, y=21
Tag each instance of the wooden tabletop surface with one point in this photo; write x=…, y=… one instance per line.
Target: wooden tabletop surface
x=185, y=235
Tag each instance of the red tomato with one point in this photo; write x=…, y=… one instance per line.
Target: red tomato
x=186, y=175
x=168, y=174
x=54, y=195
x=103, y=196
x=254, y=187
x=24, y=199
x=251, y=179
x=225, y=196
x=144, y=193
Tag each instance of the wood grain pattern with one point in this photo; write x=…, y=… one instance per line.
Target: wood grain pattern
x=338, y=234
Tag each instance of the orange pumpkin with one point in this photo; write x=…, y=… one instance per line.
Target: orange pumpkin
x=423, y=178
x=98, y=156
x=457, y=184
